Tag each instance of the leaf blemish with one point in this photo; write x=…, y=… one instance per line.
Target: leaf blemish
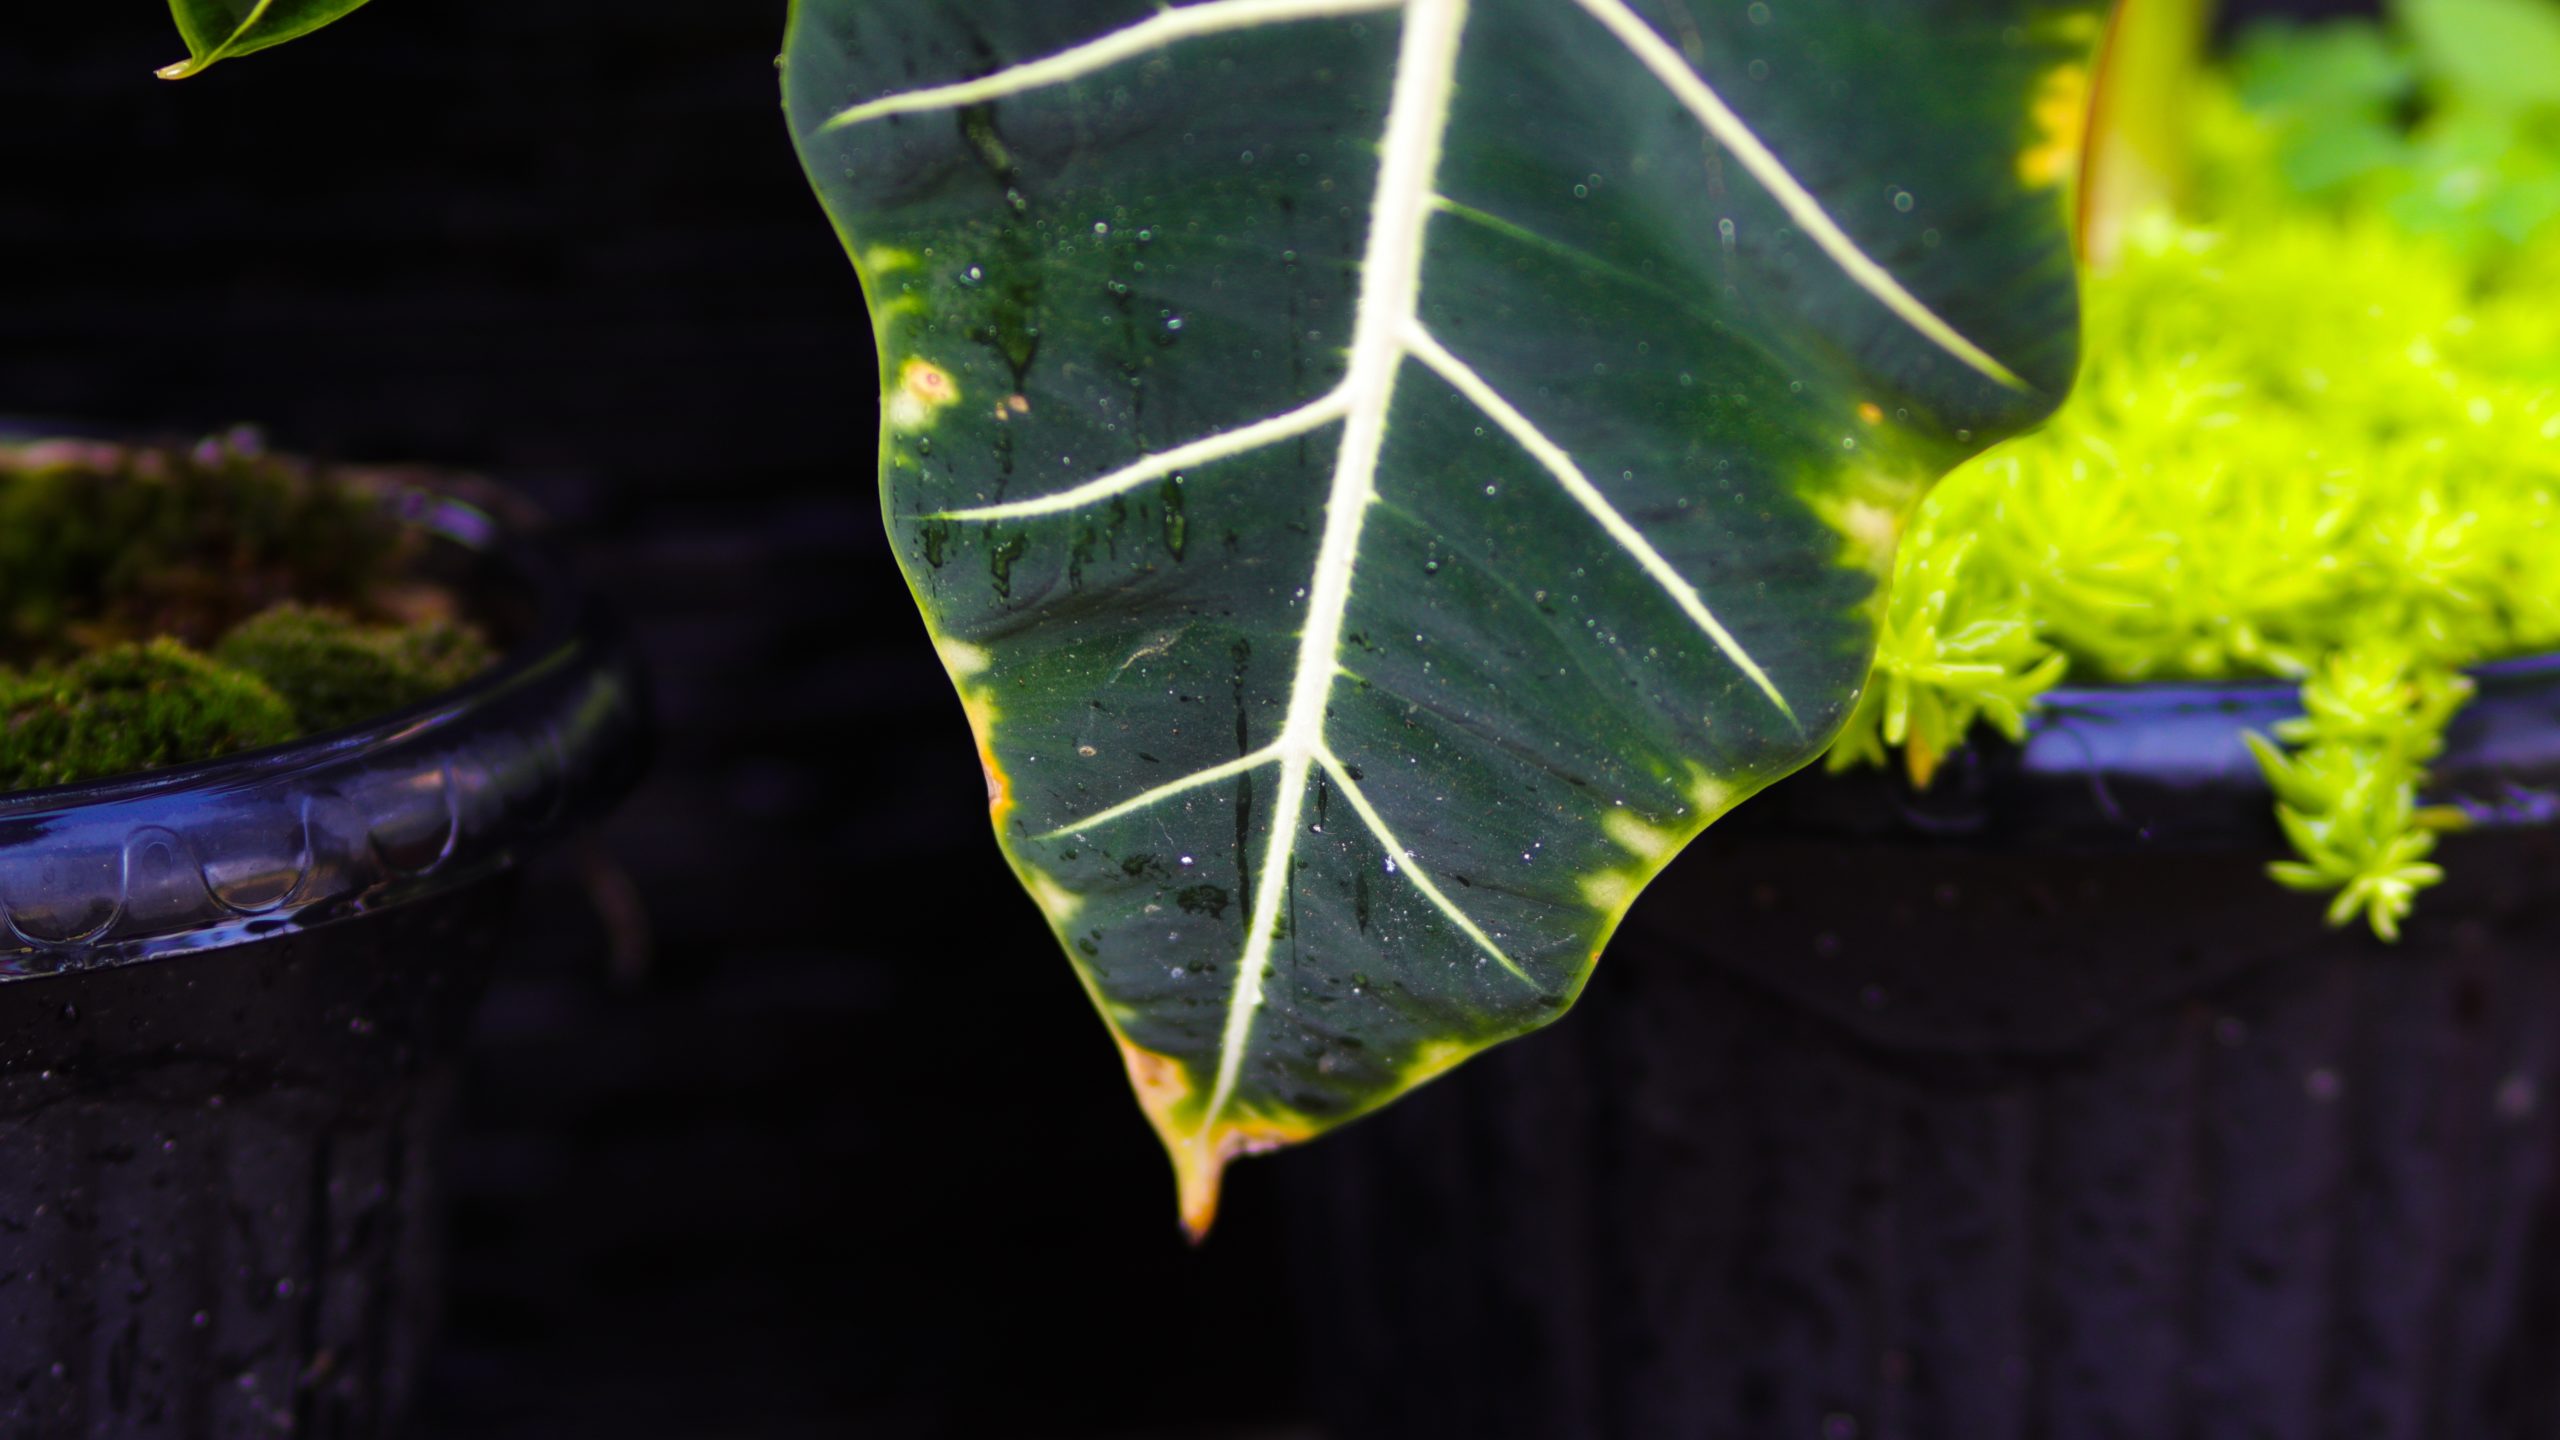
x=924, y=391
x=2060, y=112
x=1211, y=900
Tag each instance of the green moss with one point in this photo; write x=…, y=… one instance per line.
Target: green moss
x=131, y=707
x=334, y=671
x=2317, y=436
x=120, y=567
x=102, y=544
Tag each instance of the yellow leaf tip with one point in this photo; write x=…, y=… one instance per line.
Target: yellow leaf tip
x=1199, y=1171
x=1200, y=1162
x=1162, y=1088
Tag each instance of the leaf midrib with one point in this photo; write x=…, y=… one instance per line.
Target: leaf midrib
x=1387, y=332
x=1390, y=295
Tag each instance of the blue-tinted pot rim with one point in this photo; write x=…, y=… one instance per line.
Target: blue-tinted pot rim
x=2166, y=765
x=395, y=810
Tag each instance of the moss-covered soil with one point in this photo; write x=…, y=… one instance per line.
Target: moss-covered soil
x=163, y=606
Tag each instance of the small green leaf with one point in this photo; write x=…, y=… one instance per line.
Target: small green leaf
x=2345, y=67
x=217, y=30
x=1386, y=474
x=2490, y=52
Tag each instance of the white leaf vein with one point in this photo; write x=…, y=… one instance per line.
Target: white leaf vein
x=1386, y=333
x=1157, y=796
x=1658, y=55
x=1561, y=466
x=1412, y=872
x=1157, y=32
x=1314, y=415
x=1390, y=297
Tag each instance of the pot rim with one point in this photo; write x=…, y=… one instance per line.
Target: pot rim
x=2164, y=764
x=2489, y=675
x=412, y=803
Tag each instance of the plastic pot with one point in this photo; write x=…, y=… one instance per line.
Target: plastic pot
x=231, y=995
x=2028, y=1107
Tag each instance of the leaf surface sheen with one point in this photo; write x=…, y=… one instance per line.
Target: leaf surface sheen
x=1386, y=474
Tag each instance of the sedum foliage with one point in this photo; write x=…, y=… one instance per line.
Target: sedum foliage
x=2317, y=436
x=2373, y=716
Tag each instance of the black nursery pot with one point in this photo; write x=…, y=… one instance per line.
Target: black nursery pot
x=2027, y=1107
x=231, y=996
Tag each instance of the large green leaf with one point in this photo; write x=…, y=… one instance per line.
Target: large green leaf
x=217, y=30
x=1385, y=474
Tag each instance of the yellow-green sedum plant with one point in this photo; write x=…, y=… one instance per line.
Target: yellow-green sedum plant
x=2317, y=436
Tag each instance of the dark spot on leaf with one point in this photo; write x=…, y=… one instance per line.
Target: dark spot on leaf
x=1177, y=528
x=1200, y=899
x=1079, y=551
x=1310, y=1103
x=1000, y=560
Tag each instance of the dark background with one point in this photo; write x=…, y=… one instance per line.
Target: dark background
x=840, y=1148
